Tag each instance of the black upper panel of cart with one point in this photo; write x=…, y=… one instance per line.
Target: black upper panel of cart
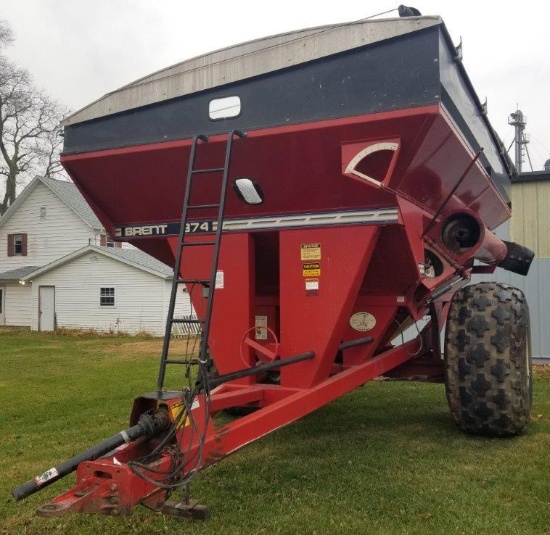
x=412, y=67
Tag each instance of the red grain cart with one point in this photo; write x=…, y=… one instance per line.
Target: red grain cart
x=339, y=185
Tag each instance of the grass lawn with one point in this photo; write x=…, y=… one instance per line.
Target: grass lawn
x=384, y=459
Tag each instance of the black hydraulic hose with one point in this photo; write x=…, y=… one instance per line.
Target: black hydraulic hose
x=148, y=425
x=355, y=343
x=215, y=381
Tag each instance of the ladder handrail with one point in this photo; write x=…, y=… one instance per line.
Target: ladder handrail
x=176, y=281
x=203, y=351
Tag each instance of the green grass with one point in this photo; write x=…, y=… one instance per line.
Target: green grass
x=384, y=459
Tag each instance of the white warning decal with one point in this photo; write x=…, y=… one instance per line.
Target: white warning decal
x=46, y=476
x=261, y=331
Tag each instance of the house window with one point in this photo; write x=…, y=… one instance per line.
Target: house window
x=17, y=245
x=107, y=241
x=107, y=297
x=42, y=212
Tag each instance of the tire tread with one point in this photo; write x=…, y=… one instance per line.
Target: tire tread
x=487, y=368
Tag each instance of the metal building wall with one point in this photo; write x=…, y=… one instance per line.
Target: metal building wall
x=536, y=287
x=531, y=214
x=525, y=228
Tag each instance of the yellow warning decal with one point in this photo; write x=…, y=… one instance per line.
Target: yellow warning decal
x=176, y=409
x=310, y=251
x=311, y=269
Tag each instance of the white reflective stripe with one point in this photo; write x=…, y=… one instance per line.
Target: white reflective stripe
x=125, y=436
x=319, y=219
x=384, y=215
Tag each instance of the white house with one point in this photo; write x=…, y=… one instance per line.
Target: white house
x=109, y=289
x=48, y=220
x=58, y=268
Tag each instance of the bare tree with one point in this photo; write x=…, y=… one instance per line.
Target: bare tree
x=6, y=35
x=29, y=127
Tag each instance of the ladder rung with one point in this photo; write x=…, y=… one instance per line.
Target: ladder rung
x=197, y=243
x=201, y=206
x=210, y=170
x=170, y=361
x=194, y=281
x=181, y=320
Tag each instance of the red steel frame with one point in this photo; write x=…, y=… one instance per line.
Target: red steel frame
x=108, y=486
x=307, y=283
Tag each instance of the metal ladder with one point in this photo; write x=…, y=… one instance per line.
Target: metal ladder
x=193, y=175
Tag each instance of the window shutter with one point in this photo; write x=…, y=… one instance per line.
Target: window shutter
x=23, y=245
x=103, y=240
x=10, y=245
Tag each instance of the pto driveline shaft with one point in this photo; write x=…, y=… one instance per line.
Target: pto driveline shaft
x=148, y=425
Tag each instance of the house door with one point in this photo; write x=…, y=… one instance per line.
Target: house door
x=46, y=308
x=2, y=305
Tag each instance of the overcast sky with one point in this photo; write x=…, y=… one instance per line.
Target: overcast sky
x=78, y=50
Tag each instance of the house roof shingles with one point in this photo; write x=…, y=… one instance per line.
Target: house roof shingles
x=139, y=257
x=133, y=257
x=69, y=194
x=16, y=274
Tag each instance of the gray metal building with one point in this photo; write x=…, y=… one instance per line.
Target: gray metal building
x=530, y=226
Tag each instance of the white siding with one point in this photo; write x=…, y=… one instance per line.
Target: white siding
x=60, y=233
x=17, y=303
x=183, y=303
x=140, y=297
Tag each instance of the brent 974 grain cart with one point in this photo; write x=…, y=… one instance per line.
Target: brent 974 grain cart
x=338, y=185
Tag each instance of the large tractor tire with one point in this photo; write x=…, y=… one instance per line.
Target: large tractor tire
x=488, y=360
